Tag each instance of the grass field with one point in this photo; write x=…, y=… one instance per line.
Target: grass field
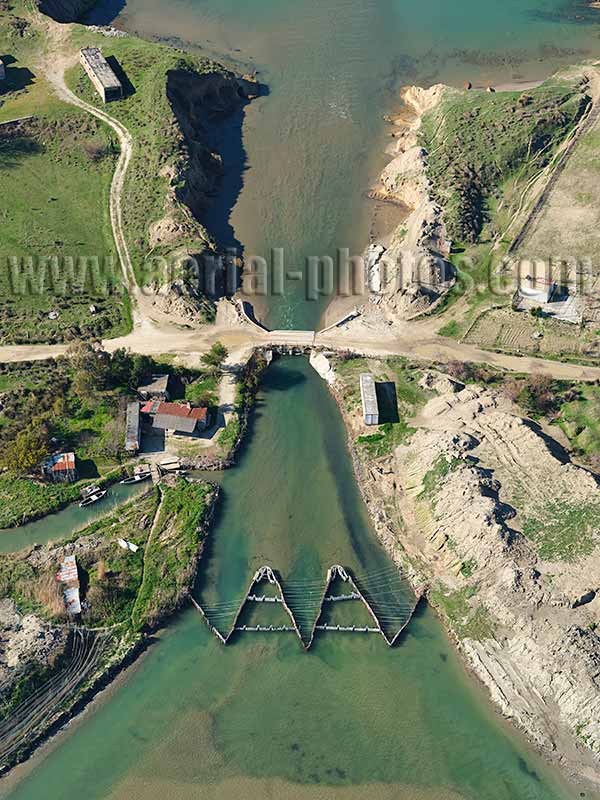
x=24, y=92
x=484, y=149
x=157, y=183
x=55, y=172
x=482, y=146
x=172, y=550
x=57, y=252
x=580, y=421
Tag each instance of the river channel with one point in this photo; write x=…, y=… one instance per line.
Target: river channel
x=261, y=718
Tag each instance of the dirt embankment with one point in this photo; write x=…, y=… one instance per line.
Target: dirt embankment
x=199, y=102
x=489, y=512
x=409, y=271
x=65, y=10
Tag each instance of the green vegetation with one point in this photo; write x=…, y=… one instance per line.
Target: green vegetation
x=57, y=257
x=432, y=479
x=399, y=394
x=229, y=436
x=23, y=92
x=35, y=675
x=172, y=551
x=468, y=568
x=74, y=403
x=490, y=140
x=247, y=386
x=538, y=395
x=216, y=356
x=564, y=530
x=579, y=418
x=60, y=278
x=389, y=437
x=110, y=577
x=23, y=499
x=169, y=89
x=132, y=590
x=484, y=151
x=466, y=622
x=451, y=329
x=203, y=391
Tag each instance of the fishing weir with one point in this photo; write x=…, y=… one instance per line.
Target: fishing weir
x=265, y=590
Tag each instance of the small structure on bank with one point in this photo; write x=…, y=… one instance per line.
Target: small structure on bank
x=368, y=396
x=157, y=389
x=553, y=300
x=133, y=429
x=68, y=575
x=2, y=70
x=101, y=74
x=60, y=468
x=177, y=418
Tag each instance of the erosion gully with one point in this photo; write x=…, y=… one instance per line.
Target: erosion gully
x=261, y=717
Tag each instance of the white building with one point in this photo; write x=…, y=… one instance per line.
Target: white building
x=368, y=395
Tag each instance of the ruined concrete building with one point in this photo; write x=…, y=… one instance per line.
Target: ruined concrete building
x=101, y=74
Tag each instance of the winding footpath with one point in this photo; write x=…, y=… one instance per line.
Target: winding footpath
x=55, y=74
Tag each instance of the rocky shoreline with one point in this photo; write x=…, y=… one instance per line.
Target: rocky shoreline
x=409, y=272
x=528, y=633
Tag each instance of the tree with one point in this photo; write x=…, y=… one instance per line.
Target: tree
x=215, y=356
x=30, y=447
x=141, y=370
x=121, y=364
x=91, y=366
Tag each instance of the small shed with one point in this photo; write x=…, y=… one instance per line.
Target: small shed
x=133, y=429
x=2, y=70
x=368, y=395
x=60, y=468
x=101, y=74
x=157, y=389
x=68, y=575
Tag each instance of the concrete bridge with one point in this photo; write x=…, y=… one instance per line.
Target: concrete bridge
x=416, y=340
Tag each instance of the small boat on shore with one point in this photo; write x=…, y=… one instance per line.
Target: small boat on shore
x=93, y=497
x=137, y=478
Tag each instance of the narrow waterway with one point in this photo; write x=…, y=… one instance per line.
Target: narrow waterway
x=65, y=522
x=351, y=718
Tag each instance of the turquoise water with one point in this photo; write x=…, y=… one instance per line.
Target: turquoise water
x=315, y=144
x=260, y=718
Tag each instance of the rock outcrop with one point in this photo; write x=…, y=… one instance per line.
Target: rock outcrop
x=25, y=638
x=65, y=10
x=193, y=171
x=505, y=529
x=411, y=273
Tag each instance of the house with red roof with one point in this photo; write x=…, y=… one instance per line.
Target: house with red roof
x=178, y=418
x=60, y=468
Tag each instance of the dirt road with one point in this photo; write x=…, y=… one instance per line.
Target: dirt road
x=154, y=334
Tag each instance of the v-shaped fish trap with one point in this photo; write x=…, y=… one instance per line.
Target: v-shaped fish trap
x=381, y=608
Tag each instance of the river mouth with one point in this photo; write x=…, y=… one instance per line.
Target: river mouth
x=261, y=717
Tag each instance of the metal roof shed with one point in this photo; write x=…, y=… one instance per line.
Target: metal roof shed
x=368, y=395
